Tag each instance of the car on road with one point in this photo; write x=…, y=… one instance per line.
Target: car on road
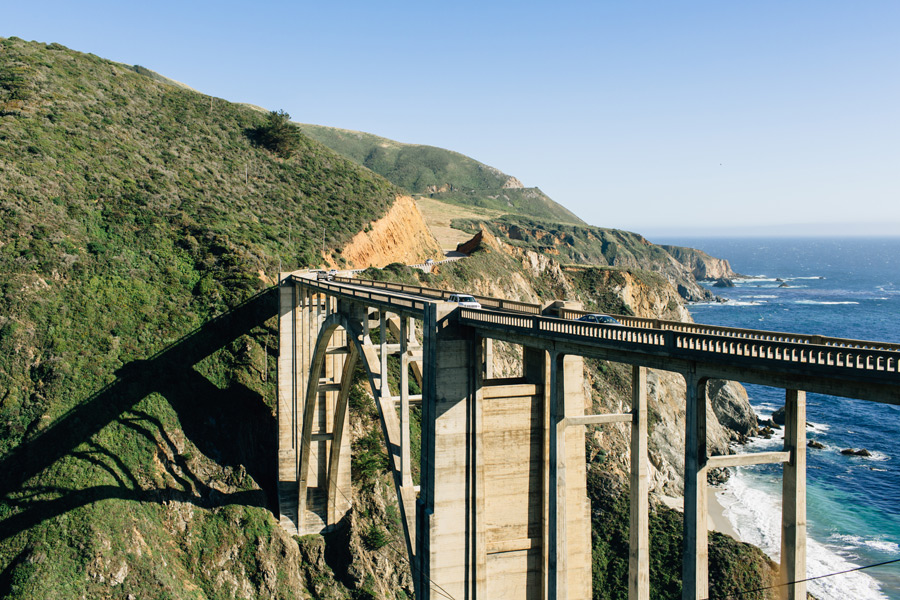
x=332, y=274
x=464, y=300
x=598, y=318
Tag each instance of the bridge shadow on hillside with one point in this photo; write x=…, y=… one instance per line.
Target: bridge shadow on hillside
x=232, y=427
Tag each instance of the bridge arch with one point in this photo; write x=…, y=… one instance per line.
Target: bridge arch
x=320, y=393
x=349, y=336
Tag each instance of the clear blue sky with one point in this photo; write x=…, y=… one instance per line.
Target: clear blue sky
x=653, y=116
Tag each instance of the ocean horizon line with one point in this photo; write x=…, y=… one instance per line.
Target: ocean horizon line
x=879, y=231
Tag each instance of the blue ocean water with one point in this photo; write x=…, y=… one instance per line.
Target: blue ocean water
x=839, y=287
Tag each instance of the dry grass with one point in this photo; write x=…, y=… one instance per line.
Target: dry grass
x=438, y=216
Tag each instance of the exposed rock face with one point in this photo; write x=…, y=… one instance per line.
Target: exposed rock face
x=732, y=408
x=778, y=416
x=652, y=301
x=724, y=282
x=591, y=246
x=513, y=184
x=469, y=246
x=701, y=264
x=400, y=236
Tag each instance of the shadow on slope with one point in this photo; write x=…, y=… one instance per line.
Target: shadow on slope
x=232, y=426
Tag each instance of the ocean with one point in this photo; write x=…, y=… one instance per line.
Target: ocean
x=838, y=287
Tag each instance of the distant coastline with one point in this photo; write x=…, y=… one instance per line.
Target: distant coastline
x=806, y=230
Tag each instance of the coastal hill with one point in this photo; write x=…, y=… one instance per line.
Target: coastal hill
x=137, y=432
x=144, y=226
x=441, y=174
x=459, y=195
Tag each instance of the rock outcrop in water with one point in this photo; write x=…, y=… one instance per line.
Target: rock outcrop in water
x=703, y=266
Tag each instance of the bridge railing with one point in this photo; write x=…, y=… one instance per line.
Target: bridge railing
x=385, y=300
x=752, y=343
x=418, y=290
x=683, y=344
x=754, y=334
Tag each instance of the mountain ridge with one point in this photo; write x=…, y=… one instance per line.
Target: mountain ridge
x=439, y=173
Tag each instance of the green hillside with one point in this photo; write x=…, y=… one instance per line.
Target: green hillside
x=133, y=430
x=441, y=174
x=143, y=224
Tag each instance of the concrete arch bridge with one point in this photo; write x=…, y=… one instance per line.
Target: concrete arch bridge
x=501, y=509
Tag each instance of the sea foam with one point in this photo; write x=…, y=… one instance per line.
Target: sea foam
x=752, y=505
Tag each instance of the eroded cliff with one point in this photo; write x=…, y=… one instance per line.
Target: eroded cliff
x=703, y=266
x=399, y=236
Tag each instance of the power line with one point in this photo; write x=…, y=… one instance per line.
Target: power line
x=770, y=587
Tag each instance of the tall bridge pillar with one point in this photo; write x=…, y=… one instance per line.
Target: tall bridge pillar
x=793, y=512
x=494, y=521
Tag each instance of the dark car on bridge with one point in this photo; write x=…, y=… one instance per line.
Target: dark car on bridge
x=597, y=318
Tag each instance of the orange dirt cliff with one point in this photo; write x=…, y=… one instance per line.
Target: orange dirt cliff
x=399, y=236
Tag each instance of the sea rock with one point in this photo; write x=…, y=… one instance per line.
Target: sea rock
x=717, y=476
x=854, y=452
x=784, y=285
x=815, y=444
x=778, y=416
x=723, y=282
x=767, y=423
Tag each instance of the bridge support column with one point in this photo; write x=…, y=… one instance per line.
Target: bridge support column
x=289, y=331
x=311, y=421
x=793, y=510
x=568, y=511
x=695, y=567
x=405, y=442
x=451, y=536
x=557, y=541
x=639, y=529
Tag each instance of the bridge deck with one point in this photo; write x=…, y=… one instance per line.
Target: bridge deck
x=851, y=368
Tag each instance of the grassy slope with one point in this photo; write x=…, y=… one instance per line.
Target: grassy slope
x=136, y=458
x=422, y=169
x=133, y=211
